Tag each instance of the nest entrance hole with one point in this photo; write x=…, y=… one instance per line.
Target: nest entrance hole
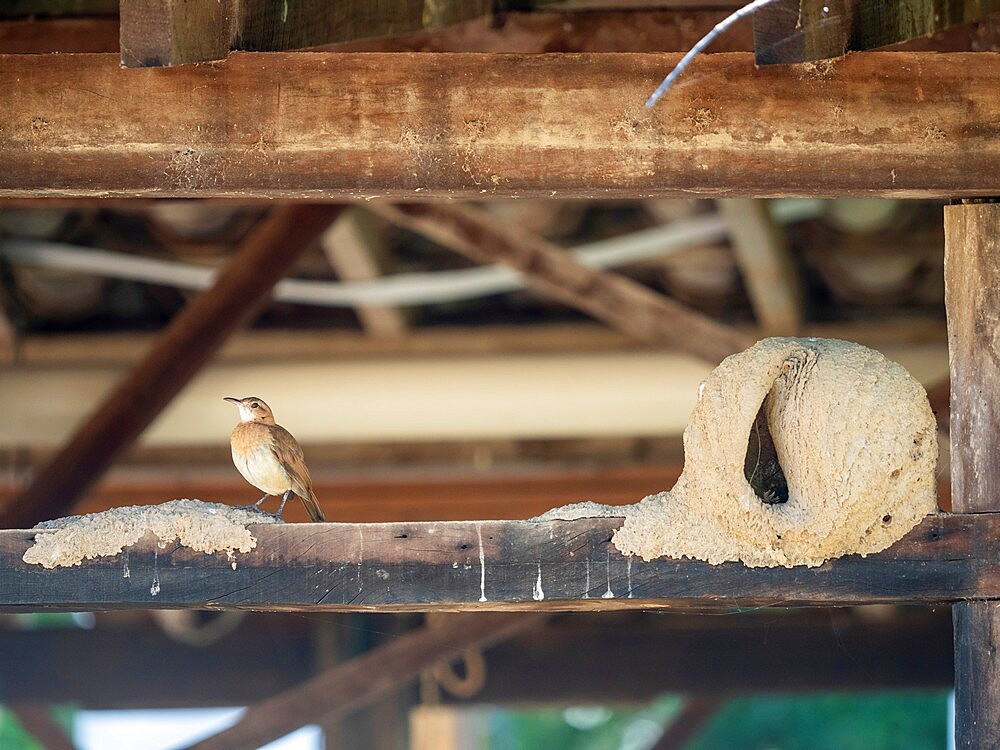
x=761, y=466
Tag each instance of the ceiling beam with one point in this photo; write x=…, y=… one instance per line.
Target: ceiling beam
x=326, y=125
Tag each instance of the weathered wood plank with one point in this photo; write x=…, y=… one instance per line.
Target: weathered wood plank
x=471, y=125
x=972, y=299
x=552, y=566
x=977, y=675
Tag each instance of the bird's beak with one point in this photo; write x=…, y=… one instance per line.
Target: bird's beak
x=232, y=400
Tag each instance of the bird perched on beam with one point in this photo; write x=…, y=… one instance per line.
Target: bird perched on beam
x=269, y=457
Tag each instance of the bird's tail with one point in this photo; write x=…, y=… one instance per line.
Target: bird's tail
x=312, y=507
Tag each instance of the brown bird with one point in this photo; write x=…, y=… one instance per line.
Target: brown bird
x=269, y=457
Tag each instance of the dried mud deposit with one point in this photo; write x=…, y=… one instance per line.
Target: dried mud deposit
x=204, y=527
x=851, y=450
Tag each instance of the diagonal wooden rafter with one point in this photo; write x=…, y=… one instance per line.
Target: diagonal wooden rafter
x=365, y=678
x=352, y=247
x=481, y=126
x=618, y=301
x=766, y=265
x=176, y=356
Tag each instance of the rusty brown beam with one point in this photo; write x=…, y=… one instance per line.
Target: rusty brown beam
x=376, y=673
x=332, y=126
x=190, y=339
x=618, y=301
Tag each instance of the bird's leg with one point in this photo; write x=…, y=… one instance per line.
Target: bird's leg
x=284, y=499
x=256, y=505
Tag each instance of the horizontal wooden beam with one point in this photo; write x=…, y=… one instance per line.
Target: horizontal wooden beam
x=327, y=125
x=493, y=565
x=637, y=393
x=109, y=667
x=245, y=346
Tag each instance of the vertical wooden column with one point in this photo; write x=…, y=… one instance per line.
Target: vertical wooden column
x=972, y=297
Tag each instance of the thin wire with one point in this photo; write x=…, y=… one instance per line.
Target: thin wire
x=402, y=289
x=702, y=43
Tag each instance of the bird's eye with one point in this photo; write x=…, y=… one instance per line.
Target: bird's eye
x=254, y=405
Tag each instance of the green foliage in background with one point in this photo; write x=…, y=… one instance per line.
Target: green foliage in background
x=12, y=736
x=915, y=720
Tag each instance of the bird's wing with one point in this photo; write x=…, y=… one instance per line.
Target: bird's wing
x=289, y=455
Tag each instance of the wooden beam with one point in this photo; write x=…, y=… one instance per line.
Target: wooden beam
x=180, y=351
x=158, y=33
x=353, y=247
x=692, y=717
x=769, y=272
x=972, y=277
x=244, y=346
x=358, y=682
x=37, y=36
x=473, y=125
x=550, y=566
x=780, y=650
x=618, y=301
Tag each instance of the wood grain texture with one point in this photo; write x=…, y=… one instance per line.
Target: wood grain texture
x=972, y=297
x=552, y=566
x=174, y=32
x=617, y=300
x=328, y=125
x=977, y=675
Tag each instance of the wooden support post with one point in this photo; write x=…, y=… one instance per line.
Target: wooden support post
x=618, y=301
x=972, y=297
x=173, y=32
x=191, y=338
x=769, y=272
x=351, y=246
x=383, y=670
